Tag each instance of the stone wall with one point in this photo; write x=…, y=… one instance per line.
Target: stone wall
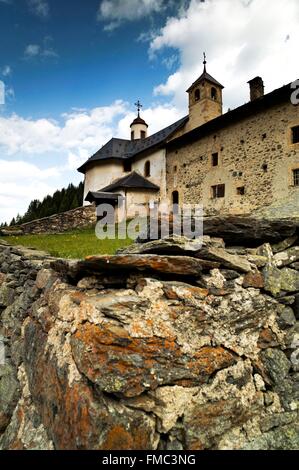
x=167, y=345
x=256, y=154
x=58, y=223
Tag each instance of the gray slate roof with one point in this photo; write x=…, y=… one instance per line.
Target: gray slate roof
x=131, y=181
x=205, y=76
x=121, y=149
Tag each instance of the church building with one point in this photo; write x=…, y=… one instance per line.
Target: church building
x=232, y=163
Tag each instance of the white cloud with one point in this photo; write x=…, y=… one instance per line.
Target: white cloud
x=39, y=8
x=32, y=50
x=81, y=133
x=20, y=182
x=116, y=11
x=242, y=38
x=6, y=71
x=41, y=51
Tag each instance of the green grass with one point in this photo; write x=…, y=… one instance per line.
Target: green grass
x=76, y=244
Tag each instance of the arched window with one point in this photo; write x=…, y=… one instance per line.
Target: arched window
x=197, y=95
x=132, y=135
x=214, y=93
x=147, y=169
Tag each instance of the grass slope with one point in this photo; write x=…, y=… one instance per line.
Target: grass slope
x=76, y=244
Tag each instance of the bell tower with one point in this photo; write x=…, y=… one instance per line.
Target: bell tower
x=205, y=99
x=139, y=126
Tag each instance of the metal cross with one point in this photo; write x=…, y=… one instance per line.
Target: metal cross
x=138, y=106
x=205, y=60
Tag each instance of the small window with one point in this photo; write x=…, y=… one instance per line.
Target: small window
x=241, y=191
x=215, y=159
x=132, y=135
x=147, y=169
x=197, y=95
x=296, y=177
x=175, y=202
x=127, y=167
x=214, y=93
x=295, y=135
x=175, y=168
x=265, y=167
x=143, y=134
x=218, y=191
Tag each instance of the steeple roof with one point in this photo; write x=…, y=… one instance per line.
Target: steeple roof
x=205, y=76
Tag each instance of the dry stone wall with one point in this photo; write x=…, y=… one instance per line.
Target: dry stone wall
x=76, y=218
x=166, y=345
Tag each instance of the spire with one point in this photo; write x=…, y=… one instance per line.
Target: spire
x=138, y=106
x=204, y=62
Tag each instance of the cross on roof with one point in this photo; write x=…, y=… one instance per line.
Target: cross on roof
x=204, y=61
x=138, y=106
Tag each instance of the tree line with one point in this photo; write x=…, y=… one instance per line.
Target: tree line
x=62, y=200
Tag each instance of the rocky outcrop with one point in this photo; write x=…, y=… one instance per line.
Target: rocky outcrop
x=172, y=344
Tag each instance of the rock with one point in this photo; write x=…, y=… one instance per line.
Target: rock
x=236, y=230
x=9, y=393
x=267, y=339
x=225, y=259
x=118, y=363
x=182, y=291
x=282, y=438
x=265, y=251
x=286, y=318
x=285, y=244
x=7, y=295
x=75, y=415
x=174, y=245
x=277, y=280
x=295, y=266
x=259, y=261
x=276, y=364
x=182, y=265
x=254, y=279
x=287, y=257
x=296, y=307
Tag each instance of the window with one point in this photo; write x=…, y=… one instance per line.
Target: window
x=215, y=159
x=265, y=167
x=147, y=169
x=175, y=201
x=132, y=135
x=175, y=168
x=296, y=177
x=127, y=167
x=218, y=191
x=295, y=135
x=241, y=191
x=197, y=95
x=143, y=134
x=214, y=93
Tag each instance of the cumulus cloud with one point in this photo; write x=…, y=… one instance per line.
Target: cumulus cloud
x=80, y=134
x=116, y=11
x=242, y=38
x=20, y=182
x=39, y=8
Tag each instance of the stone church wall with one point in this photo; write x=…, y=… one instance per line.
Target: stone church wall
x=255, y=154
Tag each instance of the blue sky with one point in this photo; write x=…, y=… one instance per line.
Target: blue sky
x=73, y=69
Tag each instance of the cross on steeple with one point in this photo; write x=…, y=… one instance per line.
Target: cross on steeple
x=138, y=106
x=205, y=61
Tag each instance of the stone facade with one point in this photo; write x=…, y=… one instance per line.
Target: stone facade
x=146, y=350
x=256, y=159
